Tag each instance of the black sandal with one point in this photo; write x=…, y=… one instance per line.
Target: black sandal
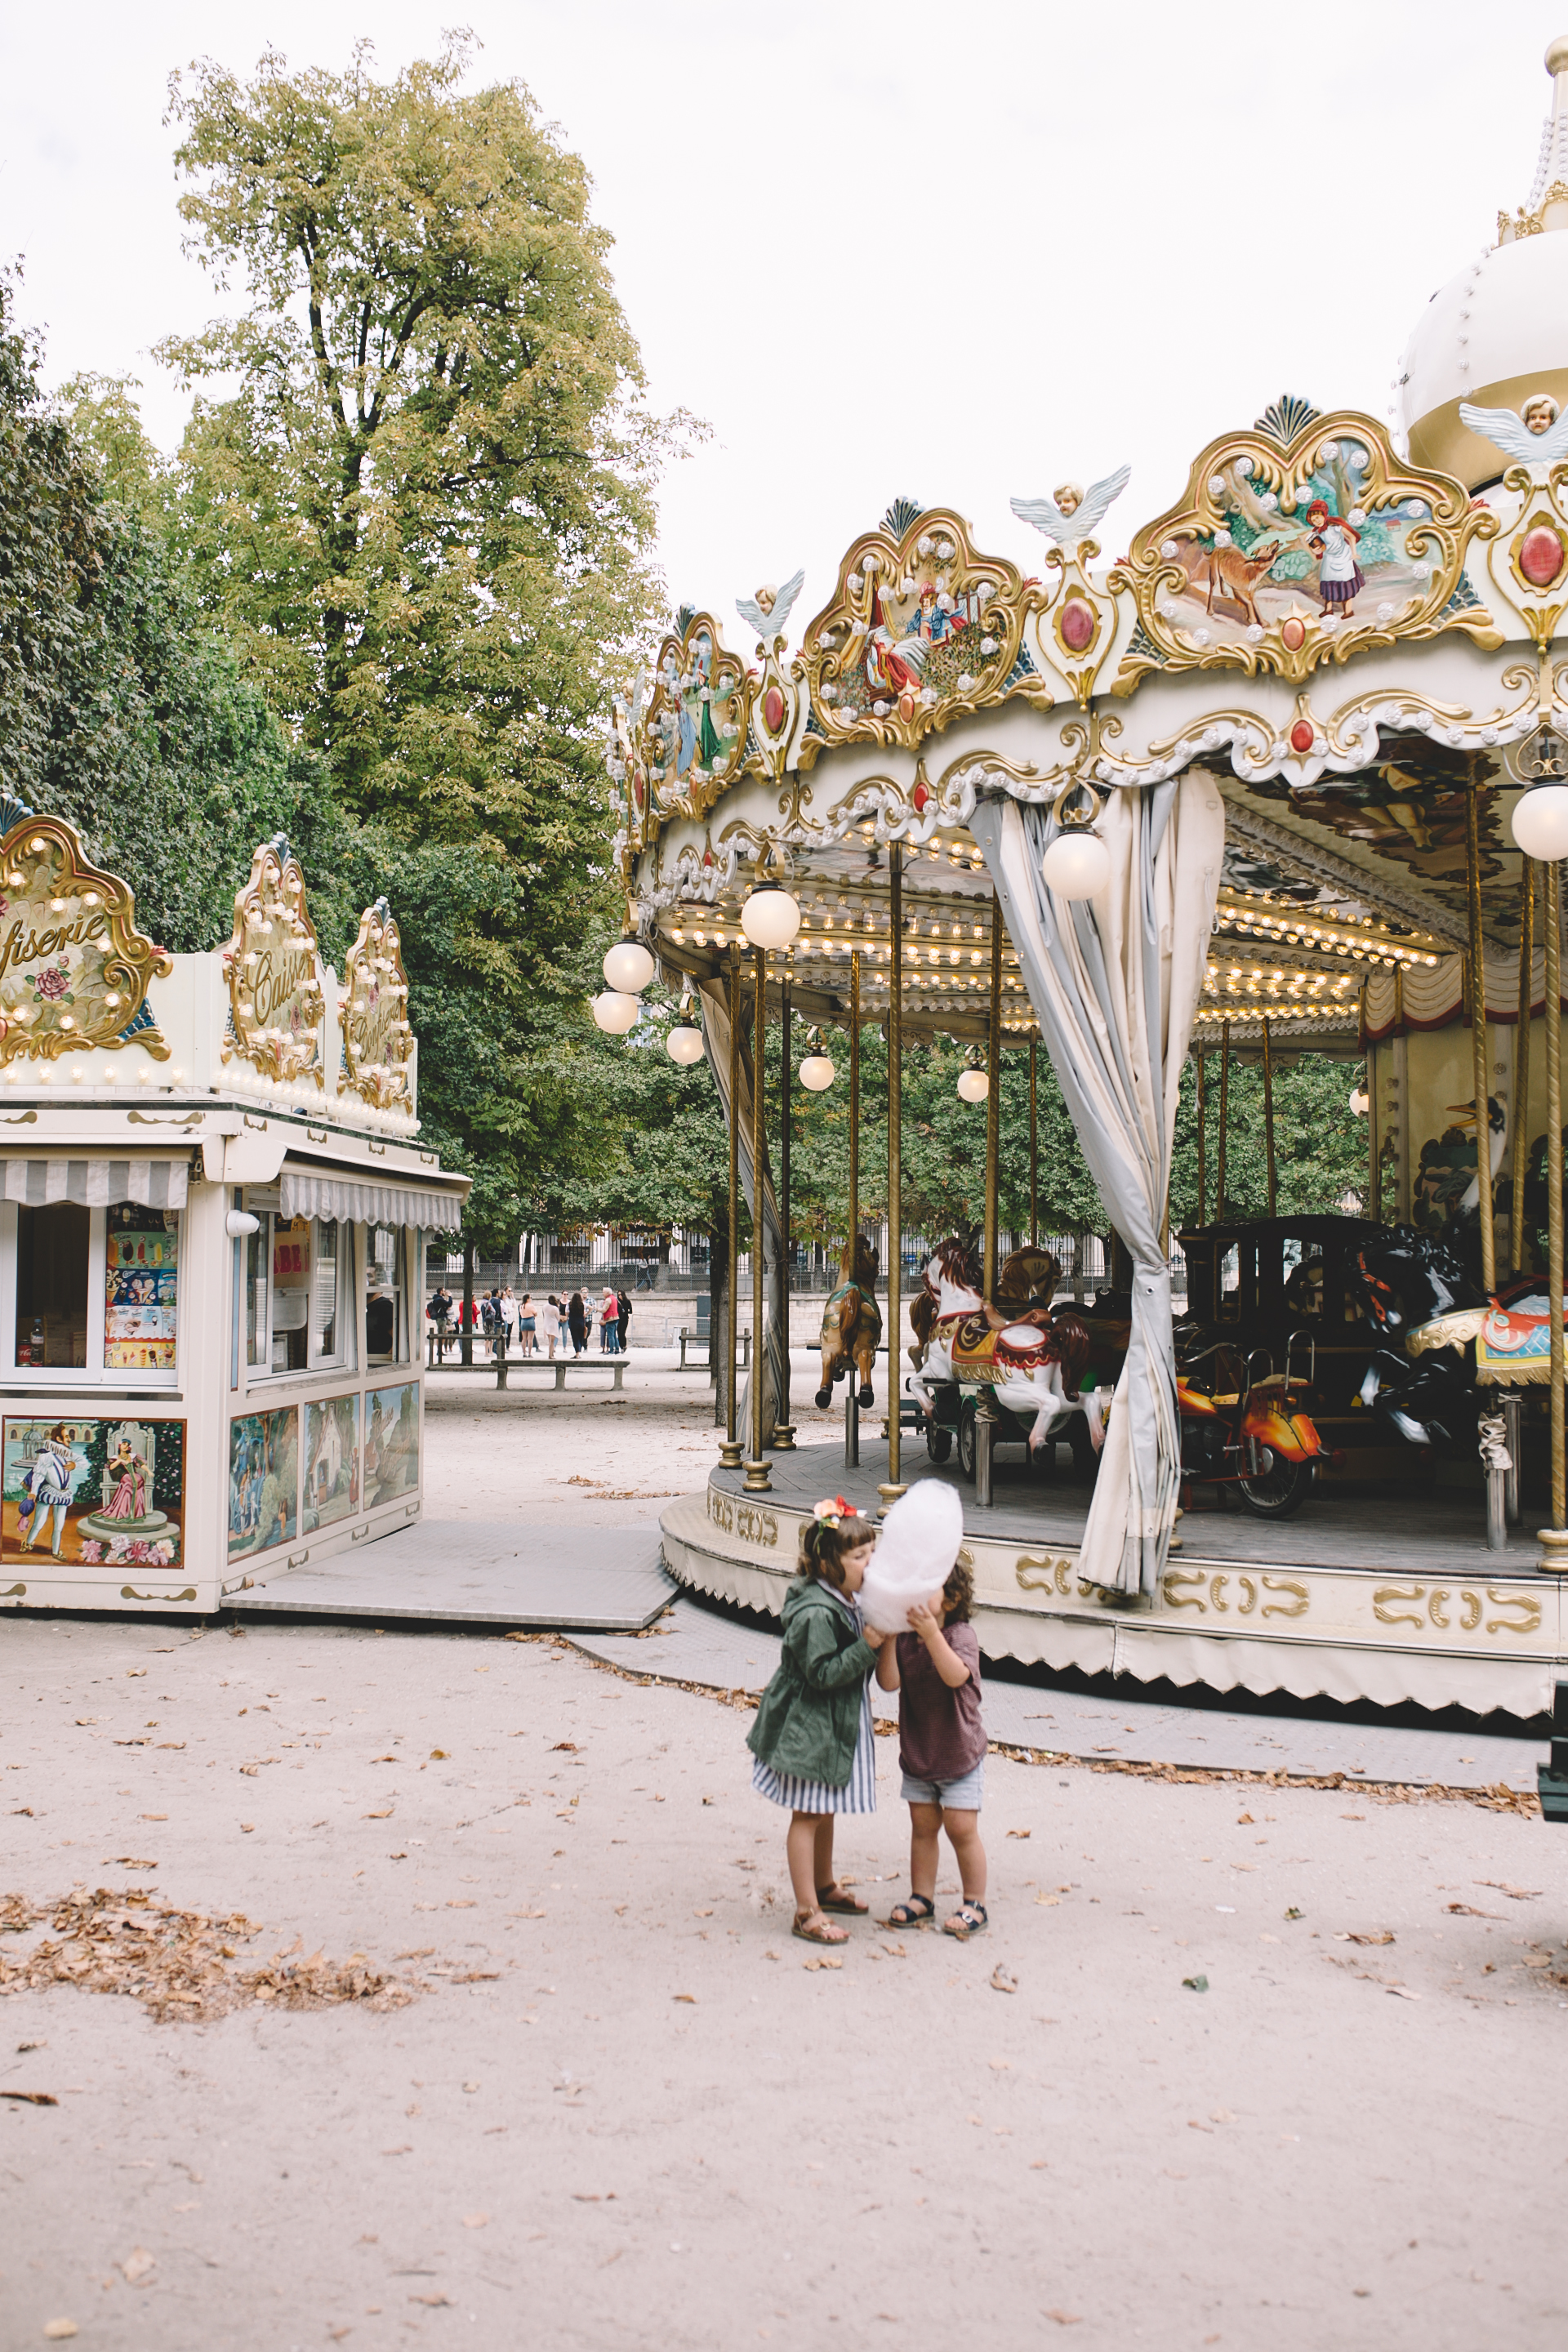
x=905, y=1915
x=969, y=1919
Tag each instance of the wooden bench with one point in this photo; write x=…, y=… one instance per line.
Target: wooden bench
x=701, y=1333
x=559, y=1365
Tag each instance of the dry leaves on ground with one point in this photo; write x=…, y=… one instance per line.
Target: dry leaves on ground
x=178, y=1964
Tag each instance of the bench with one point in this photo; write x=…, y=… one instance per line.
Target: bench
x=559, y=1365
x=701, y=1333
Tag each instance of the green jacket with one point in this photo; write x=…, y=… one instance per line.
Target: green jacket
x=810, y=1714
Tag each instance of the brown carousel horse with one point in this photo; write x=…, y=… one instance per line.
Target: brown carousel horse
x=1034, y=1361
x=851, y=1321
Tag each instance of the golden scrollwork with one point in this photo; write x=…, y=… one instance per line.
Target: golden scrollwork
x=1175, y=1594
x=1402, y=1592
x=756, y=1525
x=920, y=630
x=1286, y=1584
x=273, y=967
x=1055, y=1572
x=1437, y=1599
x=1531, y=569
x=691, y=738
x=378, y=1042
x=74, y=969
x=1525, y=1602
x=1249, y=530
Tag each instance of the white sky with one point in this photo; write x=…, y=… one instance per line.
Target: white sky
x=950, y=251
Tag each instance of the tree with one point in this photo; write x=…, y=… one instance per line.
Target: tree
x=424, y=509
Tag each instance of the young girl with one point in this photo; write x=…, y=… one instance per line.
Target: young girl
x=942, y=1748
x=812, y=1737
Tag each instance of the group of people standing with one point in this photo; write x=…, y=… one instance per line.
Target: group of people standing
x=544, y=1323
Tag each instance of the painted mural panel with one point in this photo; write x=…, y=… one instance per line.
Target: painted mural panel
x=391, y=1444
x=110, y=1492
x=332, y=1461
x=141, y=1273
x=263, y=1481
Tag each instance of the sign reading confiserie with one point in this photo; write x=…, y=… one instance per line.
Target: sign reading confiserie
x=74, y=969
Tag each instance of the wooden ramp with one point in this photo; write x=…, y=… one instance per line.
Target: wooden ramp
x=446, y=1571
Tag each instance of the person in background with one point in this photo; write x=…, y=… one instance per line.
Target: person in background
x=381, y=1325
x=509, y=1313
x=623, y=1322
x=527, y=1323
x=609, y=1322
x=577, y=1322
x=439, y=1311
x=547, y=1318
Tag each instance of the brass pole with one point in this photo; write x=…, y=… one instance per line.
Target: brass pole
x=1554, y=1539
x=993, y=1099
x=1518, y=1152
x=1479, y=1072
x=1202, y=1110
x=892, y=1490
x=1223, y=1108
x=757, y=1479
x=1034, y=1148
x=852, y=1400
x=1268, y=1111
x=731, y=1452
x=783, y=1427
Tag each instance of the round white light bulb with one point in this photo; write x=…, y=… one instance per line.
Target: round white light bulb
x=770, y=917
x=1076, y=865
x=684, y=1044
x=1360, y=1102
x=974, y=1086
x=628, y=967
x=616, y=1013
x=1540, y=822
x=817, y=1072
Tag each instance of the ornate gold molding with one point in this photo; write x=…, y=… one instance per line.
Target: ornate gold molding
x=378, y=1042
x=692, y=739
x=273, y=967
x=74, y=969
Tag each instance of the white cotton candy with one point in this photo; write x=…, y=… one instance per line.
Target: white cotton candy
x=915, y=1557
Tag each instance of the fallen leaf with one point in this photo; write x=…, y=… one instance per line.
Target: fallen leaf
x=246, y=1828
x=565, y=1747
x=1003, y=1979
x=56, y=2331
x=474, y=2220
x=1241, y=1819
x=154, y=1817
x=586, y=2197
x=1350, y=1936
x=691, y=1997
x=31, y=2098
x=1195, y=1984
x=1048, y=1898
x=703, y=1914
x=138, y=2264
x=809, y=1964
x=405, y=2148
x=1020, y=1833
x=460, y=1903
x=1001, y=2066
x=1403, y=1992
x=134, y=1861
x=1520, y=1893
x=1221, y=2115
x=1064, y=2318
x=384, y=1814
x=439, y=1755
x=435, y=2300
x=1292, y=1913
x=85, y=1719
x=1469, y=1911
x=1538, y=1959
x=1194, y=2125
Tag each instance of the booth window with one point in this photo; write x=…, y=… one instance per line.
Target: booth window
x=297, y=1280
x=141, y=1278
x=52, y=1251
x=385, y=1305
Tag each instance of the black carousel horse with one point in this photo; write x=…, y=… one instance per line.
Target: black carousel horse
x=1403, y=1280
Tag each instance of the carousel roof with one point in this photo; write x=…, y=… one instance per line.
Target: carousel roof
x=1343, y=637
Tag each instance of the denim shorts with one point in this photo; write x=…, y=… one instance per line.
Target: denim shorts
x=965, y=1795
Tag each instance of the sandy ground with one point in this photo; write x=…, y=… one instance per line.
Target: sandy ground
x=622, y=2110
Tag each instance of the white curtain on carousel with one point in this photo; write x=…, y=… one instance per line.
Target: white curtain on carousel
x=1115, y=982
x=772, y=1368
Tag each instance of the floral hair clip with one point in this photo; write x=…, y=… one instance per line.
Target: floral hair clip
x=832, y=1509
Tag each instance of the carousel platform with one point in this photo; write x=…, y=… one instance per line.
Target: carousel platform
x=447, y=1572
x=1392, y=1600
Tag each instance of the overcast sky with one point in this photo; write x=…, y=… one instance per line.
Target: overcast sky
x=950, y=251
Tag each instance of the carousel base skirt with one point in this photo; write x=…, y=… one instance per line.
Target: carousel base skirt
x=1391, y=1600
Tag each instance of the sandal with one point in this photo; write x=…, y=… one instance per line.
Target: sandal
x=812, y=1928
x=912, y=1913
x=837, y=1898
x=969, y=1919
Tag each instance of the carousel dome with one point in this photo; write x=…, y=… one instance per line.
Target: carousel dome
x=1498, y=330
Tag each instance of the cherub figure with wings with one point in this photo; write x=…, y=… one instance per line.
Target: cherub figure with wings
x=1536, y=435
x=768, y=612
x=1074, y=514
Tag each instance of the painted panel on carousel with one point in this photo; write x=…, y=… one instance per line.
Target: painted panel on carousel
x=263, y=1481
x=74, y=969
x=1301, y=542
x=96, y=1491
x=332, y=1461
x=377, y=1040
x=921, y=630
x=273, y=967
x=692, y=741
x=391, y=1444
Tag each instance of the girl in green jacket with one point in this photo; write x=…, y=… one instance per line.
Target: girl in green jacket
x=813, y=1740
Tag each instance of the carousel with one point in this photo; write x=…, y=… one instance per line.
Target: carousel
x=213, y=1196
x=1289, y=773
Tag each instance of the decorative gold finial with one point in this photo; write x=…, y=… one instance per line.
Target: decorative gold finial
x=1557, y=55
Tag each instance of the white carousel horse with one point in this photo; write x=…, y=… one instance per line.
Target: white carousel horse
x=1034, y=1362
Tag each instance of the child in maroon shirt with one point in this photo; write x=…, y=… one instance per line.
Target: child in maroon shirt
x=935, y=1668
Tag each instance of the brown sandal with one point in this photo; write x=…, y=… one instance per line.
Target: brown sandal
x=839, y=1898
x=821, y=1933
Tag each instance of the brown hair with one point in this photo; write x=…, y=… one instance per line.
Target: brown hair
x=823, y=1545
x=958, y=1594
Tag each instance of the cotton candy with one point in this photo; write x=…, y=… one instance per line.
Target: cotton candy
x=920, y=1542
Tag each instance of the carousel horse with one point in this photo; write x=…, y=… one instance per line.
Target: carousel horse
x=1030, y=1357
x=851, y=1322
x=1421, y=1378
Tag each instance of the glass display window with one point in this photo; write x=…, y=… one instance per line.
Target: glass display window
x=296, y=1287
x=386, y=1337
x=54, y=1250
x=90, y=1292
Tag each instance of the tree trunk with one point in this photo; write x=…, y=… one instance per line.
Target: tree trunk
x=465, y=1341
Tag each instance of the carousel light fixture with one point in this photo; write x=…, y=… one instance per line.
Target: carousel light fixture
x=615, y=1012
x=1539, y=820
x=1077, y=864
x=816, y=1072
x=974, y=1083
x=770, y=915
x=684, y=1043
x=628, y=967
x=1360, y=1102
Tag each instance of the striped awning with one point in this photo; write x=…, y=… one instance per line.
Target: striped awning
x=328, y=1192
x=98, y=1184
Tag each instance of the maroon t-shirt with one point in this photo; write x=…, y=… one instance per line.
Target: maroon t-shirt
x=941, y=1736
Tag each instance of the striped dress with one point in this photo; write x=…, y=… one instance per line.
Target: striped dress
x=858, y=1794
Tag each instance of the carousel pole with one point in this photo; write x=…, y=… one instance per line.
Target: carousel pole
x=783, y=1430
x=1223, y=1110
x=1034, y=1147
x=984, y=1418
x=852, y=1400
x=730, y=1452
x=1519, y=1150
x=1480, y=1072
x=1203, y=1111
x=757, y=1479
x=1554, y=1538
x=1268, y=1111
x=892, y=1490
